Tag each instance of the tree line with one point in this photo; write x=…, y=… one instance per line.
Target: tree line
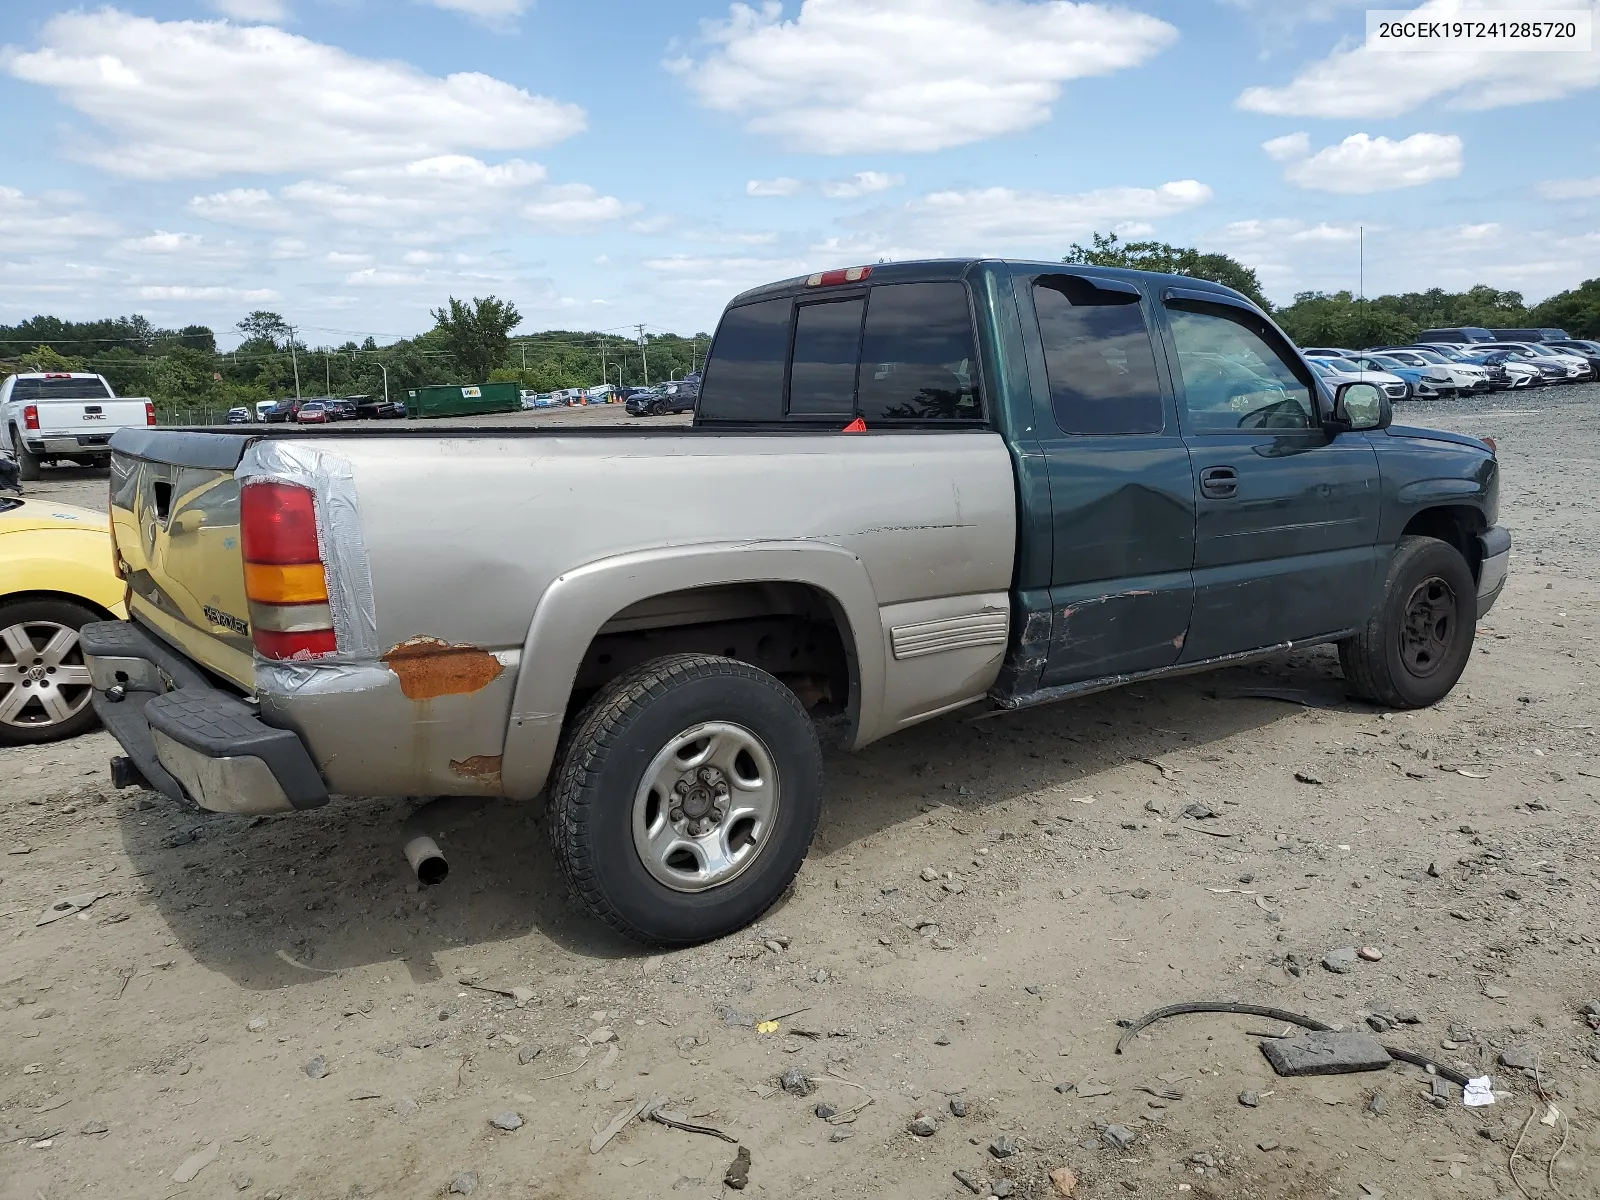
x=473, y=341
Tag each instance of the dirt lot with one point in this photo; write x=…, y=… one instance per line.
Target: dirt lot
x=279, y=991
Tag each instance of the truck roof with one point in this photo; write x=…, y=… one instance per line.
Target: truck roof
x=54, y=375
x=931, y=269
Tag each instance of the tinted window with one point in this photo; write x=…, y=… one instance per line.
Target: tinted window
x=60, y=389
x=827, y=341
x=918, y=360
x=1098, y=357
x=744, y=375
x=1233, y=378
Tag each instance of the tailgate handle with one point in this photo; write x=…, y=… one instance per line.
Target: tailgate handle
x=1219, y=483
x=92, y=408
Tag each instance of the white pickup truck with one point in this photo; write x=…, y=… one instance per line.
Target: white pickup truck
x=53, y=415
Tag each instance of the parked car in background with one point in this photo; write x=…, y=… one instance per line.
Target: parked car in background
x=1529, y=335
x=1338, y=371
x=239, y=416
x=1574, y=368
x=47, y=417
x=55, y=577
x=1457, y=334
x=532, y=399
x=1504, y=371
x=651, y=661
x=1327, y=352
x=262, y=408
x=1582, y=347
x=282, y=410
x=1427, y=383
x=379, y=410
x=313, y=412
x=340, y=410
x=1464, y=377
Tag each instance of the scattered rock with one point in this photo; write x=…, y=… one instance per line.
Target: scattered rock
x=1065, y=1181
x=794, y=1082
x=317, y=1068
x=241, y=1181
x=1308, y=777
x=958, y=1107
x=1459, y=1033
x=929, y=875
x=1155, y=807
x=1408, y=1018
x=405, y=1106
x=464, y=1184
x=1378, y=1023
x=1003, y=1146
x=826, y=1110
x=1377, y=1106
x=602, y=1035
x=1518, y=1058
x=942, y=1040
x=738, y=1173
x=1118, y=1137
x=1433, y=870
x=526, y=1054
x=195, y=1163
x=954, y=886
x=1203, y=1159
x=735, y=1019
x=839, y=1135
x=92, y=1127
x=256, y=1023
x=1512, y=894
x=1341, y=962
x=1200, y=812
x=1495, y=993
x=1140, y=893
x=509, y=1120
x=1063, y=1088
x=1370, y=953
x=1249, y=1099
x=1267, y=1147
x=924, y=1125
x=1325, y=1054
x=1002, y=1188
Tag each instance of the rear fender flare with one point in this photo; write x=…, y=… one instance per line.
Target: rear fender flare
x=577, y=604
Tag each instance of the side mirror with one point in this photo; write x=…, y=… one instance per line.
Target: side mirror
x=1361, y=406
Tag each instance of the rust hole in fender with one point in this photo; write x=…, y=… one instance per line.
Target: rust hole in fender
x=485, y=768
x=429, y=667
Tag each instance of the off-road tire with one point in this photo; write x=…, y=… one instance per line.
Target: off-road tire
x=1375, y=669
x=27, y=462
x=602, y=763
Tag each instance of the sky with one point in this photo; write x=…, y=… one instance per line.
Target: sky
x=602, y=164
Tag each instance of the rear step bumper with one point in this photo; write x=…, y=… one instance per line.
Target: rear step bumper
x=191, y=741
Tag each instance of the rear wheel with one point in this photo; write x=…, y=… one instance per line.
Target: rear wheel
x=1416, y=645
x=27, y=463
x=686, y=798
x=44, y=684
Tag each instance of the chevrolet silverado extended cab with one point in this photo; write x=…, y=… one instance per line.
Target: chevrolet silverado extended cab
x=908, y=488
x=51, y=415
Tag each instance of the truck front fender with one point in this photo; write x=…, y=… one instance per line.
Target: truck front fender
x=577, y=604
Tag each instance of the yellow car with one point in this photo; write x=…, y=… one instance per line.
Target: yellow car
x=55, y=577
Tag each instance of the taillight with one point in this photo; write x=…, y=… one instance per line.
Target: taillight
x=30, y=416
x=1489, y=442
x=284, y=579
x=834, y=278
x=149, y=412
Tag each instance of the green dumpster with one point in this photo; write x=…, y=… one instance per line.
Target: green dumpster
x=462, y=400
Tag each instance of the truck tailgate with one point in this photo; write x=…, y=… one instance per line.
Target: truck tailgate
x=175, y=517
x=101, y=418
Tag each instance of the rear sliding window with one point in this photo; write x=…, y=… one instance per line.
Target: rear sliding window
x=60, y=389
x=899, y=352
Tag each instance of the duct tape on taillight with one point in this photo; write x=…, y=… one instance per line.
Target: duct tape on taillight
x=343, y=549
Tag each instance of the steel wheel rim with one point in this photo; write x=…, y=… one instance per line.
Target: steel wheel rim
x=43, y=679
x=706, y=807
x=1430, y=626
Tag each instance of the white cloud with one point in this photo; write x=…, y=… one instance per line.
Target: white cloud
x=862, y=183
x=1361, y=164
x=571, y=207
x=189, y=292
x=1356, y=82
x=194, y=99
x=1571, y=189
x=272, y=12
x=162, y=242
x=998, y=219
x=492, y=11
x=241, y=206
x=909, y=75
x=45, y=220
x=781, y=186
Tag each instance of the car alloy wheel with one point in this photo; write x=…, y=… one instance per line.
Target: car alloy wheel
x=43, y=680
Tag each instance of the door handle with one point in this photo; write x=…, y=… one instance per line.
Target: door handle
x=1219, y=483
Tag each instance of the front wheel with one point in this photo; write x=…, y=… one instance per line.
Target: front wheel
x=44, y=684
x=686, y=798
x=1416, y=645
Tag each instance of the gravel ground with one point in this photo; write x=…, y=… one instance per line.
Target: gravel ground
x=984, y=902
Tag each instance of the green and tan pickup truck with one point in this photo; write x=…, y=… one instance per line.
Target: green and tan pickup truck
x=908, y=488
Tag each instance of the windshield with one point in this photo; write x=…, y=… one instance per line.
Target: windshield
x=1388, y=364
x=1430, y=356
x=90, y=387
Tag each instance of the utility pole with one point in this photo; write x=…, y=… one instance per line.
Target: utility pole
x=382, y=367
x=643, y=357
x=295, y=360
x=327, y=373
x=603, y=377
